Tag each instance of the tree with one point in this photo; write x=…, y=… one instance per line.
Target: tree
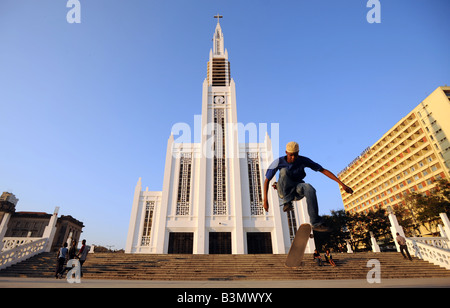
x=361, y=224
x=421, y=209
x=358, y=232
x=335, y=239
x=407, y=217
x=356, y=227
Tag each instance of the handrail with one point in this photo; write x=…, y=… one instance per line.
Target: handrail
x=427, y=252
x=22, y=252
x=13, y=242
x=440, y=242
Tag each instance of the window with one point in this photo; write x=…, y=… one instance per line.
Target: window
x=184, y=184
x=254, y=179
x=220, y=192
x=292, y=224
x=148, y=218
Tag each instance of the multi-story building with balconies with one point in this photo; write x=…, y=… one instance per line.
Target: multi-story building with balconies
x=407, y=158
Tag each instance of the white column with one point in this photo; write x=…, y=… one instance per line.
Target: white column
x=375, y=247
x=446, y=222
x=161, y=212
x=442, y=231
x=132, y=227
x=234, y=171
x=3, y=228
x=200, y=241
x=303, y=218
x=395, y=227
x=349, y=247
x=278, y=237
x=69, y=239
x=50, y=230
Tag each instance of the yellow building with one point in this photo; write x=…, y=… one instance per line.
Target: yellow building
x=408, y=158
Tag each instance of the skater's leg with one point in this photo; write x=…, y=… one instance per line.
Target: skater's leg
x=307, y=190
x=285, y=187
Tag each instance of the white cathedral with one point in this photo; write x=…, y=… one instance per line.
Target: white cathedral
x=211, y=202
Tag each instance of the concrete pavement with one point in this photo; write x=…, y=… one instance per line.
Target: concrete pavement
x=13, y=282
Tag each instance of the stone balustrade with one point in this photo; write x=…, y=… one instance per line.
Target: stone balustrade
x=22, y=252
x=13, y=242
x=430, y=249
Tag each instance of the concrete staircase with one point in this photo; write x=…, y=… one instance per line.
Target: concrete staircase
x=228, y=267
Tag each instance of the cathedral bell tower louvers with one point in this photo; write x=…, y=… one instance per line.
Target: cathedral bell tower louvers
x=211, y=201
x=218, y=65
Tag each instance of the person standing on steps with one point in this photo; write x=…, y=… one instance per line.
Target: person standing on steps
x=291, y=187
x=71, y=255
x=62, y=253
x=402, y=243
x=82, y=255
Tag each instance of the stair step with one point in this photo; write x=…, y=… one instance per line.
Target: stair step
x=227, y=267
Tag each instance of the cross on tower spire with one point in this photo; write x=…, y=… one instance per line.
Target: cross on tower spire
x=218, y=17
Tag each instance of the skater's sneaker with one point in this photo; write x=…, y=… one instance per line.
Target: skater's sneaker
x=288, y=207
x=321, y=227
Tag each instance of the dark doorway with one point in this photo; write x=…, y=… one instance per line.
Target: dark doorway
x=181, y=242
x=220, y=242
x=259, y=242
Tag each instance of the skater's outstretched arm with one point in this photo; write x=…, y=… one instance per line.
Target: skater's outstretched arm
x=336, y=179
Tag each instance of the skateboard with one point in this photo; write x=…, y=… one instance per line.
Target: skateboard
x=297, y=250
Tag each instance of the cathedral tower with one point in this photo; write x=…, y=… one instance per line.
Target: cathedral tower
x=211, y=202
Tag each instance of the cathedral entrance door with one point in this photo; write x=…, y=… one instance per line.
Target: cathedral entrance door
x=181, y=242
x=259, y=242
x=219, y=242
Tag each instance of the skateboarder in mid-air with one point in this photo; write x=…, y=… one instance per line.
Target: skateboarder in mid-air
x=291, y=187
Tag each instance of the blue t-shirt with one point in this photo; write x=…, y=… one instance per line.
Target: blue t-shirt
x=62, y=252
x=295, y=170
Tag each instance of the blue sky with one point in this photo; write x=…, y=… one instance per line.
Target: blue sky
x=87, y=108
